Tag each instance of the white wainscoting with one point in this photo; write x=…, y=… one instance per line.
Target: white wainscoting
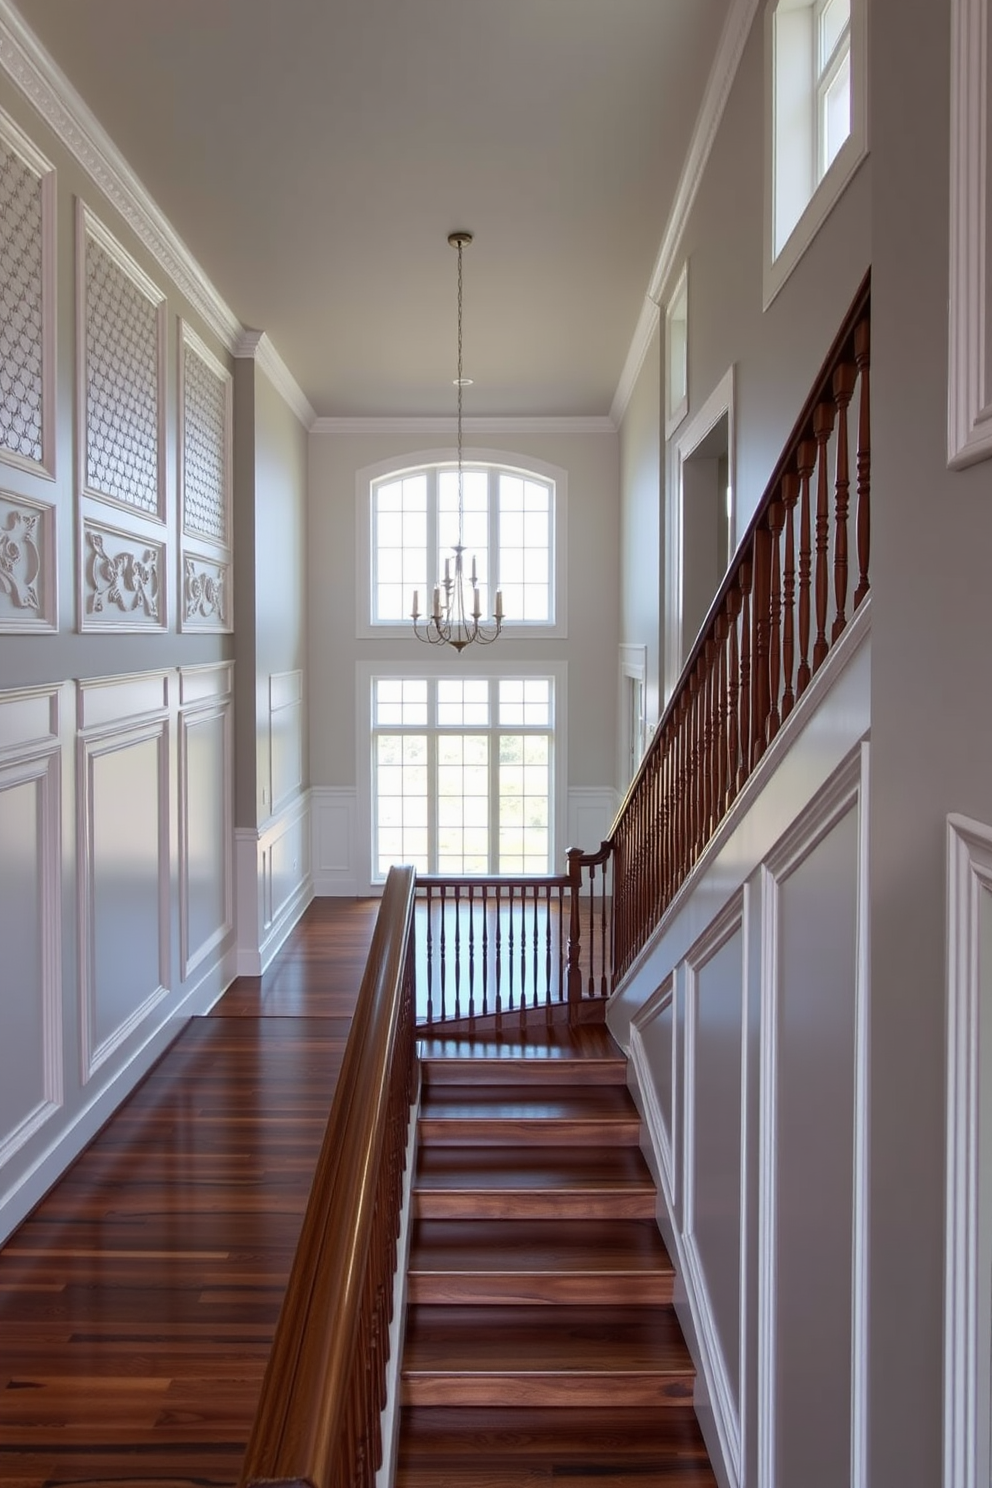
x=274, y=883
x=335, y=831
x=968, y=1248
x=746, y=1021
x=590, y=815
x=116, y=900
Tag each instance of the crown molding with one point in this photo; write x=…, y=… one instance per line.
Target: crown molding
x=495, y=424
x=733, y=39
x=647, y=324
x=257, y=347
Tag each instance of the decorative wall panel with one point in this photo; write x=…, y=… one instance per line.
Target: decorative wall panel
x=206, y=601
x=27, y=302
x=206, y=819
x=121, y=585
x=30, y=914
x=205, y=441
x=285, y=737
x=121, y=339
x=28, y=593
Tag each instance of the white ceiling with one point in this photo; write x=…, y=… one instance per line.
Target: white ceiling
x=315, y=154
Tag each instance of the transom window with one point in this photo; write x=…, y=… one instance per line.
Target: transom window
x=463, y=774
x=508, y=529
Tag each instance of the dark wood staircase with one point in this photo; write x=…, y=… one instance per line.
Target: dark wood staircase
x=541, y=1340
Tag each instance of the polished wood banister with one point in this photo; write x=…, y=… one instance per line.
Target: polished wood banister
x=317, y=1423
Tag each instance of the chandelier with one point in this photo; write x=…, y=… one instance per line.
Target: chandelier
x=455, y=617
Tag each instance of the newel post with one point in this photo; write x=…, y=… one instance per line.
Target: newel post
x=574, y=931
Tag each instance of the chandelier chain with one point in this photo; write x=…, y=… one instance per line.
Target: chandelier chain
x=460, y=392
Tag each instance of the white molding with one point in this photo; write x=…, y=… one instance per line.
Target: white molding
x=334, y=818
x=256, y=346
x=390, y=1417
x=478, y=424
x=675, y=414
x=190, y=716
x=93, y=745
x=29, y=721
x=47, y=618
x=647, y=324
x=189, y=340
x=663, y=1129
x=730, y=50
x=285, y=700
x=89, y=226
x=16, y=140
x=967, y=1413
x=106, y=703
x=846, y=790
x=969, y=407
x=263, y=925
x=596, y=803
x=47, y=88
x=727, y=1413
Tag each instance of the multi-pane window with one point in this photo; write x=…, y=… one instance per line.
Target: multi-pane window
x=508, y=532
x=462, y=774
x=833, y=80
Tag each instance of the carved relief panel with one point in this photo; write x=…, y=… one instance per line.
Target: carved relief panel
x=121, y=587
x=27, y=303
x=205, y=473
x=27, y=565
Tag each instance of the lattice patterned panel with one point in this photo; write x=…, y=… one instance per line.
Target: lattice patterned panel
x=122, y=384
x=21, y=302
x=205, y=448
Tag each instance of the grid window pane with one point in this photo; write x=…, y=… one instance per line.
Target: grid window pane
x=401, y=781
x=525, y=701
x=400, y=701
x=461, y=703
x=399, y=541
x=836, y=121
x=463, y=781
x=834, y=17
x=524, y=791
x=525, y=548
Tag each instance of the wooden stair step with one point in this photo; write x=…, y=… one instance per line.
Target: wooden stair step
x=520, y=1069
x=532, y=1183
x=619, y=1447
x=604, y=1262
x=561, y=1356
x=570, y=1116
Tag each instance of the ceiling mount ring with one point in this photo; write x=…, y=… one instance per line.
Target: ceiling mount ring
x=459, y=239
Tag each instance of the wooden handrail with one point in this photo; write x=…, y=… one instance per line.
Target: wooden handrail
x=317, y=1423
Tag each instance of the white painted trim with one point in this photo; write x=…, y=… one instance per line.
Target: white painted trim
x=16, y=140
x=476, y=424
x=257, y=346
x=126, y=538
x=89, y=226
x=846, y=790
x=47, y=88
x=675, y=414
x=969, y=407
x=262, y=926
x=333, y=851
x=389, y=1419
x=647, y=324
x=190, y=957
x=727, y=1413
x=285, y=697
x=188, y=339
x=47, y=621
x=967, y=1414
x=663, y=1129
x=599, y=801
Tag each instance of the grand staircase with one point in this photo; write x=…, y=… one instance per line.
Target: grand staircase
x=541, y=1340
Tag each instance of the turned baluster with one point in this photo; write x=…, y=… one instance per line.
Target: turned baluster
x=762, y=553
x=733, y=694
x=706, y=757
x=790, y=495
x=720, y=719
x=862, y=355
x=823, y=423
x=776, y=519
x=744, y=583
x=843, y=384
x=806, y=464
x=695, y=739
x=685, y=758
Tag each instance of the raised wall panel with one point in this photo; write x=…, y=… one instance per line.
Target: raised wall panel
x=288, y=863
x=124, y=884
x=28, y=568
x=207, y=600
x=27, y=297
x=285, y=736
x=120, y=584
x=812, y=1131
x=713, y=1219
x=206, y=831
x=335, y=815
x=655, y=1053
x=121, y=366
x=30, y=909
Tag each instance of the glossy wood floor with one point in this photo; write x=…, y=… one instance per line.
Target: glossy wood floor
x=138, y=1301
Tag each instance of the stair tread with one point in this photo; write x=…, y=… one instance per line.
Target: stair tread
x=606, y=1103
x=529, y=1246
x=564, y=1341
x=551, y=1044
x=532, y=1168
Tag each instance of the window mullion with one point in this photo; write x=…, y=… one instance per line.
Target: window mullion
x=495, y=576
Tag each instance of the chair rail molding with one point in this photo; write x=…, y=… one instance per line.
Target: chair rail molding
x=969, y=405
x=968, y=1243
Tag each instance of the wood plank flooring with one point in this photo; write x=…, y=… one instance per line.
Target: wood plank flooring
x=138, y=1301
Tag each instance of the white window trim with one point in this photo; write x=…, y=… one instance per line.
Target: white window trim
x=437, y=664
x=719, y=402
x=633, y=665
x=505, y=460
x=778, y=267
x=675, y=413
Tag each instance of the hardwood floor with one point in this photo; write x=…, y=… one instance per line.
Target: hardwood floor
x=138, y=1301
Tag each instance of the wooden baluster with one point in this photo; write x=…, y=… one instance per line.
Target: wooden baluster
x=695, y=749
x=458, y=951
x=776, y=519
x=592, y=929
x=744, y=586
x=705, y=665
x=471, y=951
x=499, y=960
x=574, y=931
x=762, y=608
x=844, y=379
x=720, y=720
x=806, y=464
x=823, y=423
x=429, y=936
x=444, y=967
x=511, y=945
x=862, y=355
x=790, y=495
x=733, y=694
x=485, y=951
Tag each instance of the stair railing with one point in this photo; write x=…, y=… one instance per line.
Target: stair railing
x=318, y=1418
x=782, y=606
